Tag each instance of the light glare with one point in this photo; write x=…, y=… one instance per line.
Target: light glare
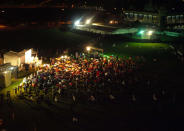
x=77, y=23
x=150, y=32
x=141, y=32
x=88, y=21
x=88, y=48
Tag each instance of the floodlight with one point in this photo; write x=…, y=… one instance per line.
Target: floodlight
x=88, y=48
x=150, y=32
x=88, y=21
x=77, y=23
x=141, y=32
x=11, y=68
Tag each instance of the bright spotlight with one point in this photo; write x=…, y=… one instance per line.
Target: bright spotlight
x=88, y=21
x=88, y=48
x=141, y=32
x=77, y=23
x=150, y=32
x=6, y=72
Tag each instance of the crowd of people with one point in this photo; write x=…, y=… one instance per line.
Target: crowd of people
x=88, y=79
x=92, y=80
x=84, y=77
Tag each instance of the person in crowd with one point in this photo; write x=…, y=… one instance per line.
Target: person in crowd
x=95, y=80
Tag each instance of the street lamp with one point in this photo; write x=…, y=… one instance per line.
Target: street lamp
x=88, y=21
x=88, y=48
x=150, y=33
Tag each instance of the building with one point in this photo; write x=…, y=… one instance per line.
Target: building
x=142, y=16
x=14, y=58
x=155, y=17
x=162, y=15
x=23, y=57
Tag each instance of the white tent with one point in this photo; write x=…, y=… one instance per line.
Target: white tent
x=13, y=58
x=24, y=57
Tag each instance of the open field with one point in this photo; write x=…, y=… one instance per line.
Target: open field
x=160, y=63
x=166, y=65
x=138, y=49
x=48, y=41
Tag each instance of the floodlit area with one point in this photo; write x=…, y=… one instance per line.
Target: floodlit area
x=91, y=65
x=146, y=33
x=90, y=76
x=91, y=82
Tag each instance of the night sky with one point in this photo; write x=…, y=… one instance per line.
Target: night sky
x=107, y=4
x=96, y=2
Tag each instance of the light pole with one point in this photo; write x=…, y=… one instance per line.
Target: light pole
x=89, y=48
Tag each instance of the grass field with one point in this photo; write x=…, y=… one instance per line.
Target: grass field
x=53, y=39
x=15, y=84
x=138, y=49
x=30, y=115
x=166, y=66
x=50, y=39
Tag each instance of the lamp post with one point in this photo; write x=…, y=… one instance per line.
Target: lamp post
x=88, y=21
x=88, y=48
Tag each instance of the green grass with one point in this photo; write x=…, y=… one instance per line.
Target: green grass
x=15, y=83
x=137, y=49
x=148, y=45
x=166, y=65
x=44, y=117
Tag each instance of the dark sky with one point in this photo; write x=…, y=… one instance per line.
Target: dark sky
x=135, y=4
